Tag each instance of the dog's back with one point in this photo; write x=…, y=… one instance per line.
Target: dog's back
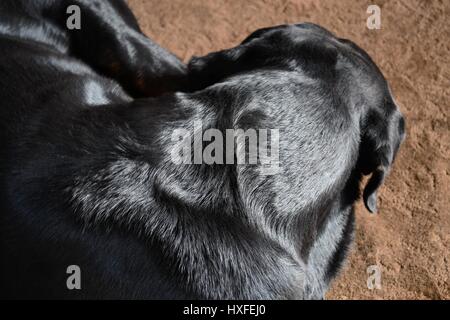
x=46, y=97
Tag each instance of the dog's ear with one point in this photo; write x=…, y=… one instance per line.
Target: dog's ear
x=281, y=51
x=212, y=68
x=209, y=69
x=383, y=130
x=253, y=51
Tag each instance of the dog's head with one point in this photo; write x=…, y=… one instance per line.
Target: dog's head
x=341, y=65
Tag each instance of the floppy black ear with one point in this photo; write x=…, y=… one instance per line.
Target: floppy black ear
x=370, y=191
x=213, y=67
x=209, y=69
x=383, y=131
x=315, y=58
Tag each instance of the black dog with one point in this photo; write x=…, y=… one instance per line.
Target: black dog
x=87, y=176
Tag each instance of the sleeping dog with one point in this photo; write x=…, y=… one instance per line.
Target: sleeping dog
x=88, y=178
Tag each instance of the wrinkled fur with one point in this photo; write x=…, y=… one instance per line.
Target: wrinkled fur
x=87, y=178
